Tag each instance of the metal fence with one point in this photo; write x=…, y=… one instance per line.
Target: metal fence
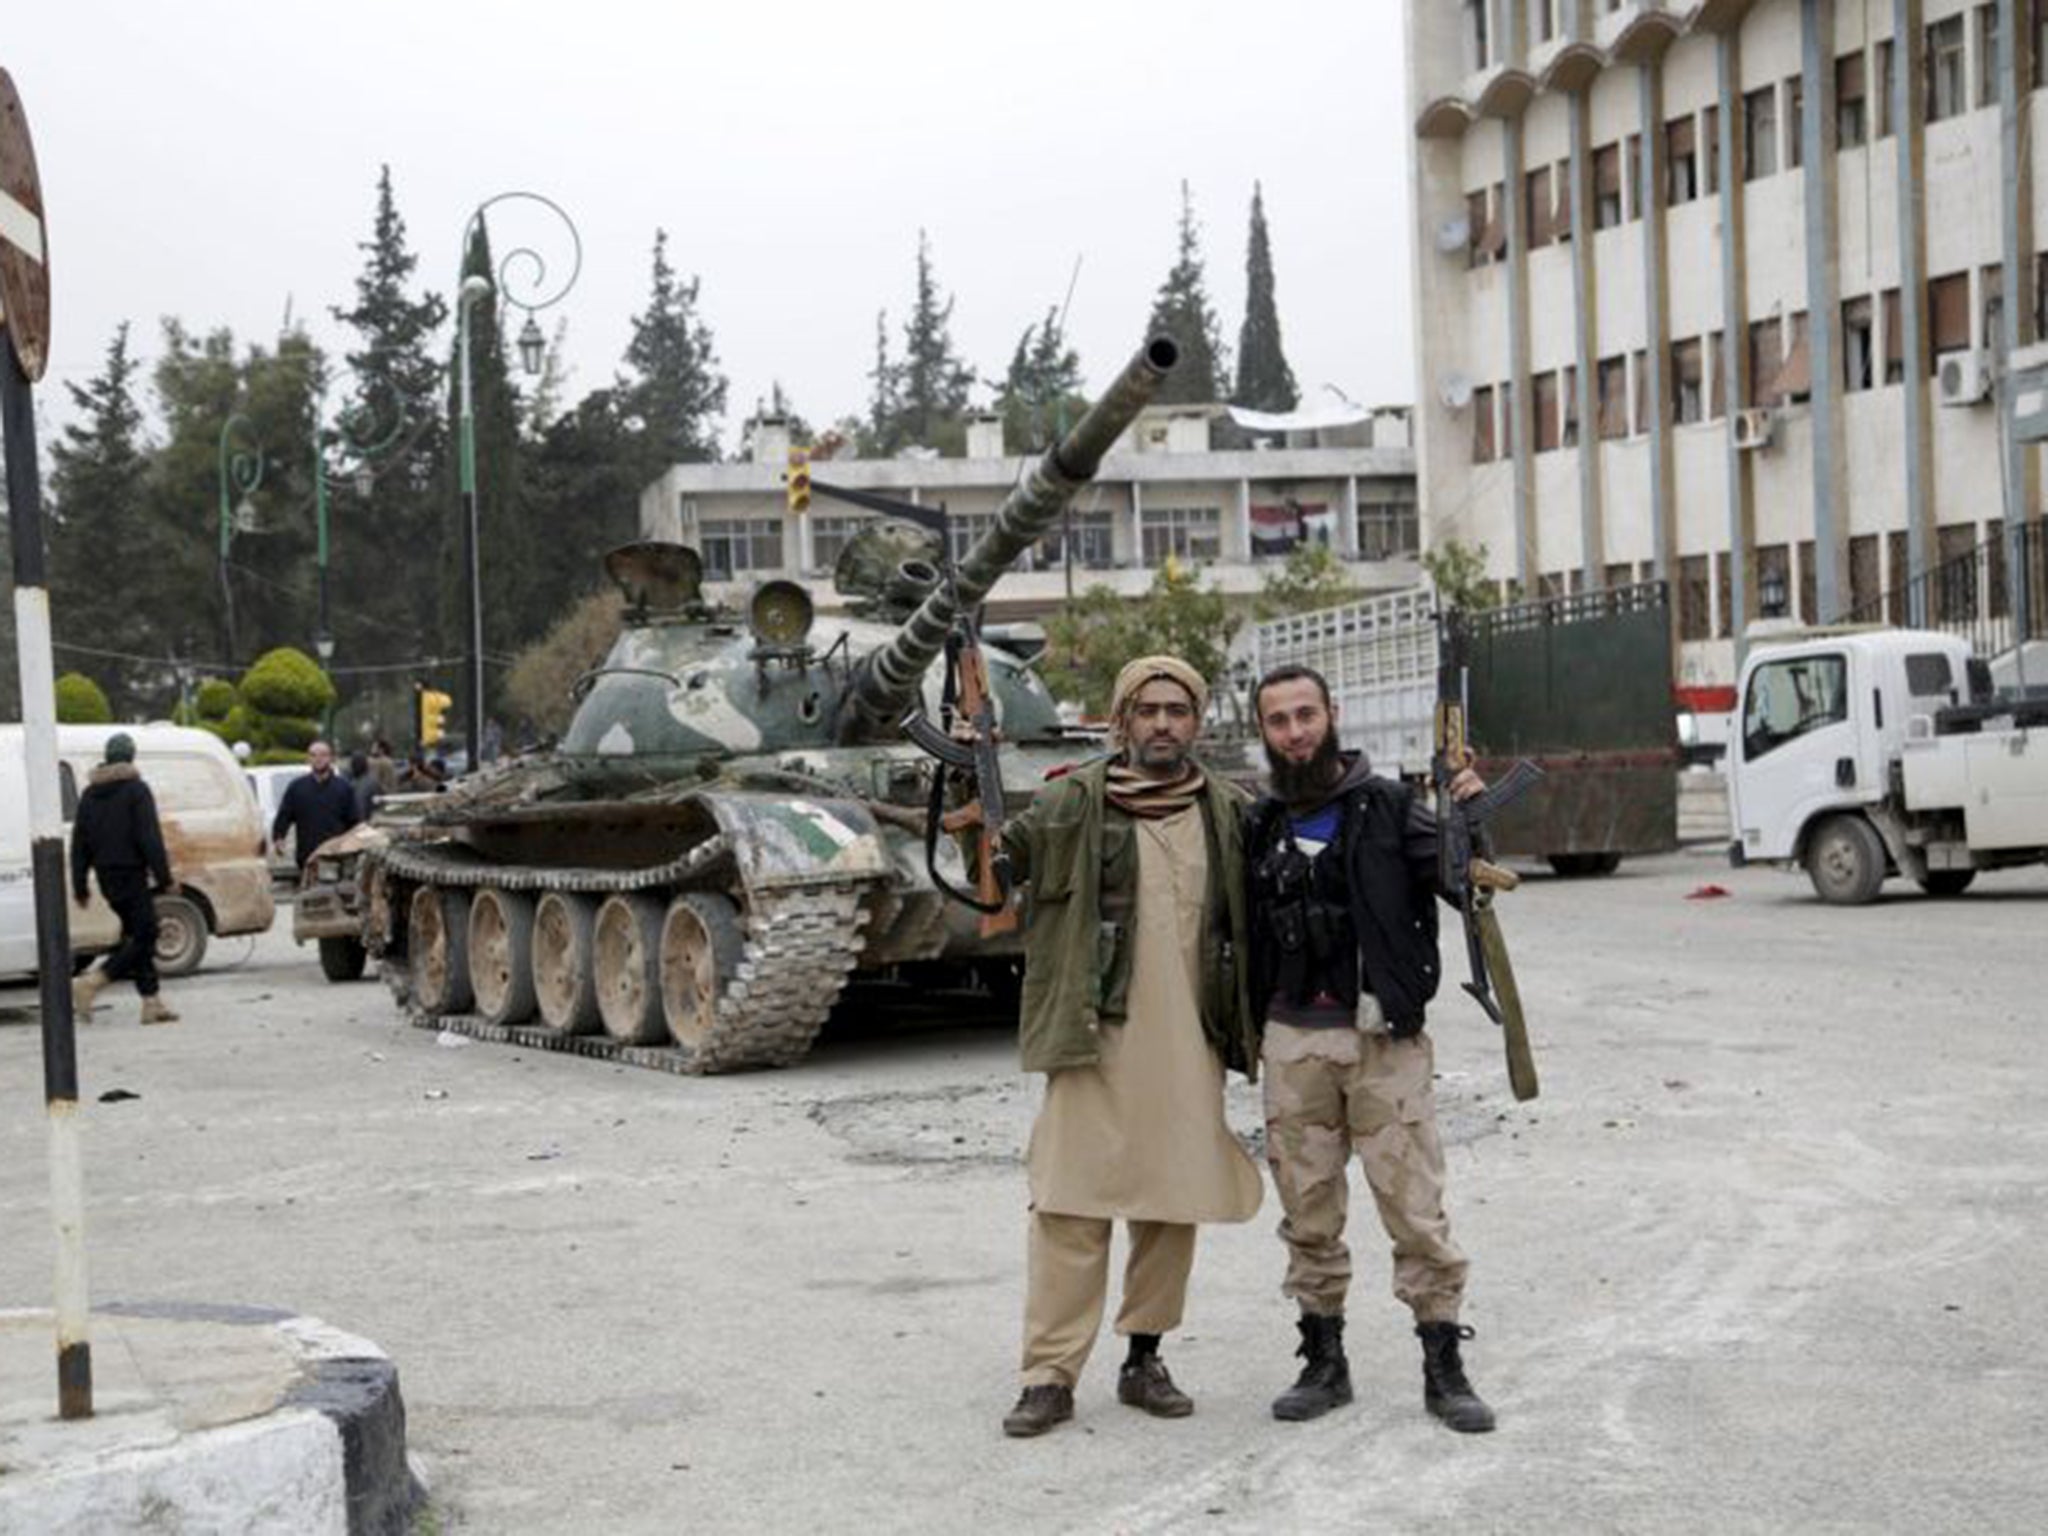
x=1971, y=595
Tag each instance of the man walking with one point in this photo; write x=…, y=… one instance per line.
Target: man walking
x=1344, y=943
x=115, y=834
x=1133, y=1005
x=315, y=807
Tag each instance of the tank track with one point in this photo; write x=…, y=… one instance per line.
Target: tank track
x=802, y=940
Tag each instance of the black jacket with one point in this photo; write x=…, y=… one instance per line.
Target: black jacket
x=116, y=827
x=1390, y=874
x=316, y=811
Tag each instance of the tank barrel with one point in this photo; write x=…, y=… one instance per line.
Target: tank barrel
x=887, y=683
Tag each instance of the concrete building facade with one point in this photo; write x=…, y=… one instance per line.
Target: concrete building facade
x=1162, y=491
x=1719, y=291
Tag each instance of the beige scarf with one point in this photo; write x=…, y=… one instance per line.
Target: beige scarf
x=1139, y=794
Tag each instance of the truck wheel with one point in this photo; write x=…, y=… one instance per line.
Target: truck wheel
x=1845, y=860
x=1947, y=882
x=1574, y=866
x=437, y=942
x=180, y=935
x=701, y=946
x=343, y=959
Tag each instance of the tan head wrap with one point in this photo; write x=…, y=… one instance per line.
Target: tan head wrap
x=1148, y=669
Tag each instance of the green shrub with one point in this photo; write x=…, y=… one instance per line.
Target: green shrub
x=216, y=697
x=81, y=701
x=287, y=682
x=232, y=727
x=282, y=733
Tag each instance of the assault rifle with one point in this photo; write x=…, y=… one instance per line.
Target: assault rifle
x=1465, y=873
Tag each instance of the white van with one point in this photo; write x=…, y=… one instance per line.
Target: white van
x=212, y=832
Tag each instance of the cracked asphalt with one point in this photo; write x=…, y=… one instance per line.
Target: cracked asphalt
x=1764, y=1256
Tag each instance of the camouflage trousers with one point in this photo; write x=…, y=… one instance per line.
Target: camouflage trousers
x=1328, y=1091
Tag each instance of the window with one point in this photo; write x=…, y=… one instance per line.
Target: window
x=1945, y=63
x=1613, y=397
x=1545, y=18
x=1989, y=60
x=1548, y=425
x=1482, y=425
x=1568, y=434
x=1858, y=357
x=1955, y=583
x=1478, y=250
x=1688, y=379
x=732, y=545
x=1773, y=581
x=1717, y=396
x=1620, y=574
x=1994, y=568
x=1990, y=302
x=1635, y=175
x=1809, y=585
x=1928, y=675
x=1681, y=161
x=1186, y=533
x=1477, y=44
x=831, y=534
x=1641, y=361
x=1094, y=536
x=1508, y=422
x=1884, y=89
x=1607, y=186
x=1948, y=312
x=1760, y=133
x=1493, y=230
x=1894, y=337
x=1765, y=361
x=1849, y=105
x=1895, y=600
x=1795, y=121
x=1695, y=620
x=1866, y=585
x=1724, y=596
x=1539, y=207
x=965, y=530
x=1795, y=379
x=1789, y=699
x=1710, y=148
x=187, y=783
x=1388, y=530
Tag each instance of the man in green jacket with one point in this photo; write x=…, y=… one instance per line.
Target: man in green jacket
x=1134, y=1004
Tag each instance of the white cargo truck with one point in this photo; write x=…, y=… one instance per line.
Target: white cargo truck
x=1866, y=754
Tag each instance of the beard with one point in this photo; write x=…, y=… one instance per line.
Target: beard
x=1162, y=759
x=1295, y=782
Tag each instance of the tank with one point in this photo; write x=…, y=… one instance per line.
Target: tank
x=734, y=824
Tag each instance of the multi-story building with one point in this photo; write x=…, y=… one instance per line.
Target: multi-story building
x=1720, y=292
x=1162, y=491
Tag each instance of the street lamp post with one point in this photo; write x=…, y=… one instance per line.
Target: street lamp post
x=241, y=471
x=531, y=292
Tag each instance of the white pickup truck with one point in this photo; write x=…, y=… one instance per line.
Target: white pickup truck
x=1863, y=754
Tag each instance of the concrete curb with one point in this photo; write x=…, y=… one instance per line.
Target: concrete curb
x=327, y=1455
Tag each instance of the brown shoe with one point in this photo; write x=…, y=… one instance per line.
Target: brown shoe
x=1038, y=1410
x=84, y=990
x=156, y=1011
x=1143, y=1383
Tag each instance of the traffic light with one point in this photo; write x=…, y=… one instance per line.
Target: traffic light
x=433, y=705
x=798, y=479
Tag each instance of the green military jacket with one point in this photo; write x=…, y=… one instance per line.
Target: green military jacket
x=1080, y=857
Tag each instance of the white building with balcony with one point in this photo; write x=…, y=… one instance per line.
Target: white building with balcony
x=1721, y=292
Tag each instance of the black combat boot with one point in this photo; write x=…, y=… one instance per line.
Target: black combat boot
x=1326, y=1377
x=1445, y=1391
x=1038, y=1410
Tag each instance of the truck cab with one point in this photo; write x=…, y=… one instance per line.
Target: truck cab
x=1819, y=770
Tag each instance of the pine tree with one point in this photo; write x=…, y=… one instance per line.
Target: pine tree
x=874, y=437
x=674, y=386
x=98, y=468
x=1183, y=311
x=1264, y=381
x=925, y=394
x=386, y=607
x=1041, y=393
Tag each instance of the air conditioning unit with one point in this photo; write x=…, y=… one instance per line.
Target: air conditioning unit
x=1754, y=427
x=1962, y=378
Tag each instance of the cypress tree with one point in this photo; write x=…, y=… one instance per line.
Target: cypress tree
x=1264, y=381
x=673, y=385
x=1183, y=310
x=932, y=383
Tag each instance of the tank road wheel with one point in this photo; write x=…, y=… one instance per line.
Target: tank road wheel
x=565, y=962
x=701, y=945
x=500, y=955
x=437, y=940
x=628, y=951
x=1845, y=861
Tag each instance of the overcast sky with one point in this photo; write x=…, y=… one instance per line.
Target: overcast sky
x=218, y=161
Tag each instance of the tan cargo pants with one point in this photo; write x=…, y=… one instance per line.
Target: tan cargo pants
x=1068, y=1288
x=1328, y=1091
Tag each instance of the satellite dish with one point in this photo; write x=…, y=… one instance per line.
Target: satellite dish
x=1454, y=235
x=1455, y=390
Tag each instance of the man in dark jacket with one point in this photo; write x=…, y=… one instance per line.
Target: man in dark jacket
x=115, y=835
x=319, y=806
x=1343, y=926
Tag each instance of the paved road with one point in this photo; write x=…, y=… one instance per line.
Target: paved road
x=1765, y=1256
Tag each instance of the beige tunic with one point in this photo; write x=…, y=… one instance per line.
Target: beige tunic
x=1141, y=1135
